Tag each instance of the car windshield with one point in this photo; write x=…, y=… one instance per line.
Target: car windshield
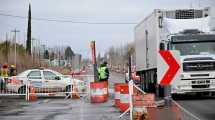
x=194, y=48
x=23, y=74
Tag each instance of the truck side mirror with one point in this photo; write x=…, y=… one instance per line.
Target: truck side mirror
x=162, y=46
x=160, y=22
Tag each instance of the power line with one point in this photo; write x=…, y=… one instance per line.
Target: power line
x=64, y=21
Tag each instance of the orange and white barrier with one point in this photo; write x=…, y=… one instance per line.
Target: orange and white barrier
x=116, y=94
x=74, y=91
x=124, y=97
x=98, y=92
x=32, y=94
x=132, y=100
x=139, y=110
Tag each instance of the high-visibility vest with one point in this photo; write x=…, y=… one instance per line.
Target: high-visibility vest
x=4, y=72
x=102, y=73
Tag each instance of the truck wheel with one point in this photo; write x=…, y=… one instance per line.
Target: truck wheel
x=212, y=94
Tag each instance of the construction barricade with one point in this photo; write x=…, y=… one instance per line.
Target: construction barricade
x=99, y=92
x=117, y=94
x=132, y=101
x=124, y=97
x=66, y=86
x=144, y=106
x=32, y=94
x=13, y=86
x=33, y=87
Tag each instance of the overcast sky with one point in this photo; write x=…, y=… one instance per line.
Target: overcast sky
x=79, y=35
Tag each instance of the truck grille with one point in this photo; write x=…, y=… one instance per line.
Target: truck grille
x=200, y=66
x=204, y=84
x=200, y=86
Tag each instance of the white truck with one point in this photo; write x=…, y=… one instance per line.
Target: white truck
x=192, y=35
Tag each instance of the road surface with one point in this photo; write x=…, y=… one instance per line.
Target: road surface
x=202, y=107
x=67, y=109
x=60, y=108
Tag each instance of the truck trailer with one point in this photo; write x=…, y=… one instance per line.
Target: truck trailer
x=188, y=31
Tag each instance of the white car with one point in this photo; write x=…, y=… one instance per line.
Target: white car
x=44, y=81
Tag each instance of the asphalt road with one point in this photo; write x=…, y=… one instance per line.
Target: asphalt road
x=67, y=109
x=116, y=78
x=60, y=108
x=202, y=107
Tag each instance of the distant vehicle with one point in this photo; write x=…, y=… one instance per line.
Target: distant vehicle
x=76, y=72
x=44, y=80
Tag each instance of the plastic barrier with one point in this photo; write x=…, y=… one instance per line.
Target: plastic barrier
x=32, y=94
x=74, y=91
x=98, y=92
x=139, y=110
x=124, y=97
x=117, y=94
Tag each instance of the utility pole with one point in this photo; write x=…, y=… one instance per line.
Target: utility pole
x=39, y=46
x=33, y=49
x=7, y=48
x=59, y=58
x=28, y=41
x=15, y=31
x=93, y=47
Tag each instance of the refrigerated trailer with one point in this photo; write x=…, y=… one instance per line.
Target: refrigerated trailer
x=191, y=35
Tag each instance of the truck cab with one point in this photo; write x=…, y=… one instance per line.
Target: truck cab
x=197, y=51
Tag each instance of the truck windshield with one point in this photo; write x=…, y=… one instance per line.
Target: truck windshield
x=194, y=48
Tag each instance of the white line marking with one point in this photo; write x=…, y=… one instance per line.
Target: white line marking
x=185, y=110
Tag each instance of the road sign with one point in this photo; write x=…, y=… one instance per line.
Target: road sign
x=168, y=67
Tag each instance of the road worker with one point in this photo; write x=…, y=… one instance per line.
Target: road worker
x=103, y=72
x=4, y=75
x=4, y=70
x=12, y=70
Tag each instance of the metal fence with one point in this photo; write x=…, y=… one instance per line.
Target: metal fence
x=171, y=111
x=62, y=86
x=13, y=86
x=65, y=86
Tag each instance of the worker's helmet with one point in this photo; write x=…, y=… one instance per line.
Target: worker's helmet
x=105, y=63
x=13, y=66
x=5, y=66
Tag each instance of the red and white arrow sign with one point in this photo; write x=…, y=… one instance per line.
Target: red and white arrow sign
x=168, y=67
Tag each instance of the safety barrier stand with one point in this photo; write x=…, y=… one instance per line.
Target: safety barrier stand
x=30, y=92
x=131, y=92
x=74, y=91
x=132, y=103
x=130, y=88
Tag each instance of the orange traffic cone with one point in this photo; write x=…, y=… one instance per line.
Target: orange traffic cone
x=75, y=94
x=32, y=94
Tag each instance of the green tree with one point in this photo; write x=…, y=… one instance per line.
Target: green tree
x=69, y=53
x=52, y=55
x=46, y=54
x=28, y=41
